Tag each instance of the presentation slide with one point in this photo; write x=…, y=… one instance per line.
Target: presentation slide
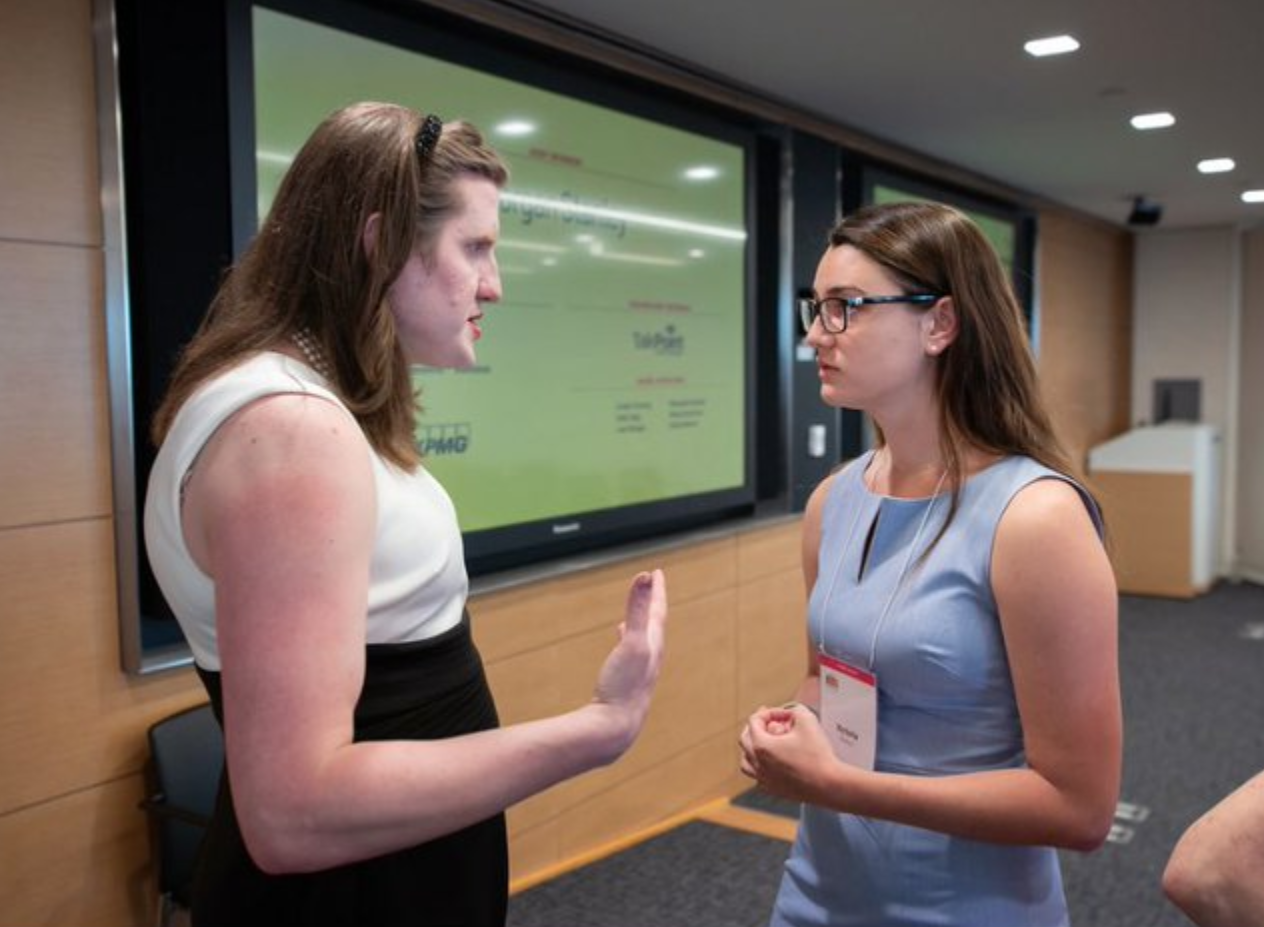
x=1001, y=233
x=613, y=371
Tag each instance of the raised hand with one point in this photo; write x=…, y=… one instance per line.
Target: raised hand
x=627, y=677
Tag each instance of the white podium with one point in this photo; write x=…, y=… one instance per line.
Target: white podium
x=1160, y=491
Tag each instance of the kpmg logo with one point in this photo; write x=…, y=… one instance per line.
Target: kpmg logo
x=448, y=440
x=667, y=341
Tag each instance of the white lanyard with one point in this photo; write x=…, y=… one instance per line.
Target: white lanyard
x=899, y=580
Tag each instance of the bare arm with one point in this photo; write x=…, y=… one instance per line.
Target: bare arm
x=1214, y=872
x=281, y=514
x=810, y=689
x=1056, y=595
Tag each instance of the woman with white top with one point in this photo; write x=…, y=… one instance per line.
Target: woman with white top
x=316, y=568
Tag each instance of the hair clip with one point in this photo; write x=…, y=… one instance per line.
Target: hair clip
x=428, y=136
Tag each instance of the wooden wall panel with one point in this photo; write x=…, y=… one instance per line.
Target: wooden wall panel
x=69, y=718
x=81, y=860
x=697, y=683
x=771, y=640
x=1151, y=519
x=537, y=614
x=55, y=452
x=49, y=189
x=1085, y=337
x=683, y=781
x=694, y=699
x=688, y=779
x=533, y=851
x=770, y=550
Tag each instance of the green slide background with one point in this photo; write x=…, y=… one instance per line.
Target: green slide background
x=613, y=371
x=1000, y=232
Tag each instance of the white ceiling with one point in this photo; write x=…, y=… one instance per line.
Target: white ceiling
x=950, y=79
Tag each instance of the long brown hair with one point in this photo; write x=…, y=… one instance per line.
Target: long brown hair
x=308, y=269
x=986, y=380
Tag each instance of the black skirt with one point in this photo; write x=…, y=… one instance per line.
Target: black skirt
x=427, y=690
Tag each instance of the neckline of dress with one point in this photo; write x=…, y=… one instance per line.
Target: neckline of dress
x=915, y=500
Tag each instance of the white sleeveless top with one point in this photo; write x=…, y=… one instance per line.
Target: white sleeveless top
x=417, y=579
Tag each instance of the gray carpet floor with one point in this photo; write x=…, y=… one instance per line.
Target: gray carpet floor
x=696, y=875
x=1192, y=674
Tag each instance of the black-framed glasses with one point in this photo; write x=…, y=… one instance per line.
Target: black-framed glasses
x=835, y=311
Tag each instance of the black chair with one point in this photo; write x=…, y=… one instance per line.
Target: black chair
x=186, y=757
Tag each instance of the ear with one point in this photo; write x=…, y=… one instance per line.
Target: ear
x=368, y=238
x=940, y=326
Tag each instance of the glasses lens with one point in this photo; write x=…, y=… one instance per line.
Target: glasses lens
x=832, y=312
x=834, y=315
x=807, y=313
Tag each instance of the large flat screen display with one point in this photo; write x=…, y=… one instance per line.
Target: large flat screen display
x=1008, y=228
x=613, y=399
x=613, y=372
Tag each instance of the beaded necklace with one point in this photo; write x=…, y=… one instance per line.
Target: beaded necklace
x=312, y=353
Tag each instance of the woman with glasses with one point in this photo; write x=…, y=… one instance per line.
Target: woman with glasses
x=316, y=568
x=960, y=719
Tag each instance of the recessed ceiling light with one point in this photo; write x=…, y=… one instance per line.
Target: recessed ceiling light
x=515, y=128
x=1153, y=121
x=1053, y=45
x=1216, y=165
x=1253, y=196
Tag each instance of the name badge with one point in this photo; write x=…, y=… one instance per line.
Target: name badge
x=849, y=711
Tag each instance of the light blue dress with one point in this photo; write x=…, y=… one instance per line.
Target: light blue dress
x=945, y=706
